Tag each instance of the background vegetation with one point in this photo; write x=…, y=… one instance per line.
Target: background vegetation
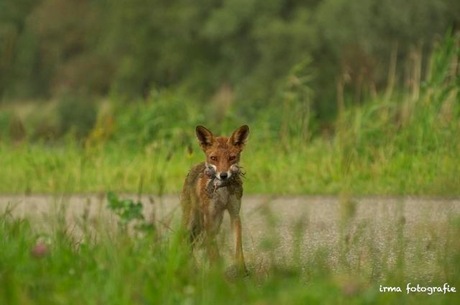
x=403, y=142
x=103, y=95
x=242, y=49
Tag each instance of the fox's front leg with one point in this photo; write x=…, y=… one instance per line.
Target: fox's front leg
x=237, y=232
x=211, y=226
x=211, y=220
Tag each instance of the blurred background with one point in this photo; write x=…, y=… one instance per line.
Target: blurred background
x=236, y=55
x=139, y=72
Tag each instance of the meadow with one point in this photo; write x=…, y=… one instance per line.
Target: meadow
x=400, y=145
x=397, y=143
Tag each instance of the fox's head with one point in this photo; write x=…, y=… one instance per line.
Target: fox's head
x=222, y=153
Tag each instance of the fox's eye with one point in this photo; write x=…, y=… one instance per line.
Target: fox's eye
x=213, y=158
x=231, y=158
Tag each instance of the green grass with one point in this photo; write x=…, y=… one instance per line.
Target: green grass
x=112, y=265
x=319, y=167
x=406, y=142
x=389, y=146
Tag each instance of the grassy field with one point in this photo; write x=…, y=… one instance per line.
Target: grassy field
x=397, y=143
x=387, y=147
x=319, y=167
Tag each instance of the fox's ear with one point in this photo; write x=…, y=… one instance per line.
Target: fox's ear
x=239, y=136
x=205, y=137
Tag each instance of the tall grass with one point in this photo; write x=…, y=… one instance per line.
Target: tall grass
x=106, y=265
x=397, y=143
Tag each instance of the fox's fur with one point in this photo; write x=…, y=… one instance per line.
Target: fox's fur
x=212, y=187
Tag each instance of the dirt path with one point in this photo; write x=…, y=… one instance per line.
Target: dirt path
x=276, y=227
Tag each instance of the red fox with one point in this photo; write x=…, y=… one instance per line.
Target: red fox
x=212, y=187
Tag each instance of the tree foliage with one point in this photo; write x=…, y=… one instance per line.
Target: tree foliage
x=51, y=48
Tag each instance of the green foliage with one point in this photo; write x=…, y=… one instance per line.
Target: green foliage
x=164, y=117
x=5, y=123
x=130, y=49
x=77, y=115
x=129, y=212
x=126, y=209
x=400, y=143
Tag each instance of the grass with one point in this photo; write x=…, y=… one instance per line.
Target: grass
x=377, y=149
x=397, y=144
x=147, y=265
x=315, y=168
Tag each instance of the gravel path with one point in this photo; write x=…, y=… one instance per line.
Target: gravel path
x=284, y=228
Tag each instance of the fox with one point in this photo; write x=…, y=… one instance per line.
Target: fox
x=213, y=187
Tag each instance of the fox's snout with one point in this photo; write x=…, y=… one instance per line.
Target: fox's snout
x=212, y=172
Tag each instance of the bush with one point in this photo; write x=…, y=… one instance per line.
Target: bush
x=76, y=115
